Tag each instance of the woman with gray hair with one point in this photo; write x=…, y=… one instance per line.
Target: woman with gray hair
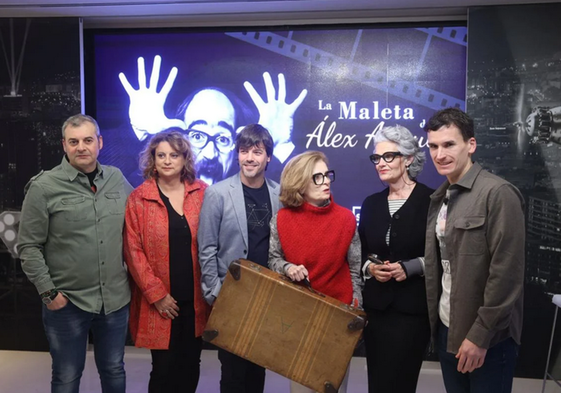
x=392, y=233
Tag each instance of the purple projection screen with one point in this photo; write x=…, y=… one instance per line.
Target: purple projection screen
x=320, y=89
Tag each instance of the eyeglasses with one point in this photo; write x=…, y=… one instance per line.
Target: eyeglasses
x=319, y=178
x=388, y=156
x=199, y=139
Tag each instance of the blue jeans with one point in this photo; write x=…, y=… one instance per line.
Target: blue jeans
x=495, y=376
x=67, y=332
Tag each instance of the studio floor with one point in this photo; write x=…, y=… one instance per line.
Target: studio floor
x=29, y=372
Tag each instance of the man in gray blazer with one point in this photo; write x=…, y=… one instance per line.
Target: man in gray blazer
x=234, y=223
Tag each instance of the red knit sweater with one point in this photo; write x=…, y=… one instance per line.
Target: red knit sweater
x=319, y=238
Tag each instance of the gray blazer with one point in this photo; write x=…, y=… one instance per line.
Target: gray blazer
x=222, y=234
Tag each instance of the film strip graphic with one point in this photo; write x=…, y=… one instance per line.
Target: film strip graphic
x=347, y=68
x=452, y=34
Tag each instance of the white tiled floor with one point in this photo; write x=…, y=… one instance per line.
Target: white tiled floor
x=29, y=372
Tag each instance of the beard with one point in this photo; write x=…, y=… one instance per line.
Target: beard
x=250, y=174
x=212, y=169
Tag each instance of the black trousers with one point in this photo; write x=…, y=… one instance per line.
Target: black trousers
x=395, y=347
x=240, y=375
x=177, y=369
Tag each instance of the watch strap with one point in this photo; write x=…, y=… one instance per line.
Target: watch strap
x=50, y=294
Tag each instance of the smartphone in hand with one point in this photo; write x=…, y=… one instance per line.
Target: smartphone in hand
x=374, y=259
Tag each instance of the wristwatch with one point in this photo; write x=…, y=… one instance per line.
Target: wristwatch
x=48, y=297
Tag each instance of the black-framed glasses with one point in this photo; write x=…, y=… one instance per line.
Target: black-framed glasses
x=388, y=156
x=200, y=139
x=319, y=178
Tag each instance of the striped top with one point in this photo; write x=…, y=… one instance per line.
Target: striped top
x=412, y=267
x=393, y=206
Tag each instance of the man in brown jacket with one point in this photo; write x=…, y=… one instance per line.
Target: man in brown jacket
x=474, y=262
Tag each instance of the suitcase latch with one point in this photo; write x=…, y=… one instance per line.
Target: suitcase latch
x=255, y=267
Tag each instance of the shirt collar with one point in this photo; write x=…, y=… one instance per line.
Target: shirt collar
x=72, y=172
x=468, y=179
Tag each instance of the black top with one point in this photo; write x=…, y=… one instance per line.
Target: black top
x=258, y=211
x=91, y=176
x=407, y=241
x=180, y=258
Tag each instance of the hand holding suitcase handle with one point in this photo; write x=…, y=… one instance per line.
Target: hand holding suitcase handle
x=297, y=273
x=306, y=284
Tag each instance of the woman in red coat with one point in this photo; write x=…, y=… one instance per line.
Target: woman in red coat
x=168, y=313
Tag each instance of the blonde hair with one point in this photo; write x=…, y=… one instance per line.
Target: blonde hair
x=179, y=143
x=296, y=176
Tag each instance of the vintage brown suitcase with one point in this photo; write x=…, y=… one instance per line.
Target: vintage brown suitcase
x=287, y=328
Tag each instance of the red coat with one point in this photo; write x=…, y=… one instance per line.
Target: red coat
x=146, y=244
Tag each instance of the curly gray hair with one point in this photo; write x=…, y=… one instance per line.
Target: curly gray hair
x=406, y=144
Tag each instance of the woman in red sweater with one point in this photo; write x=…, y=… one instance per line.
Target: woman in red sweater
x=168, y=312
x=313, y=238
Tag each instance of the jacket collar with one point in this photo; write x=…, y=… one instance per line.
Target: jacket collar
x=72, y=173
x=238, y=202
x=236, y=181
x=465, y=182
x=469, y=178
x=150, y=189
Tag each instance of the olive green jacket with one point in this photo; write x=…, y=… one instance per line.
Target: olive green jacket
x=70, y=238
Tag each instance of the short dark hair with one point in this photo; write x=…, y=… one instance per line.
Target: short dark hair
x=77, y=121
x=452, y=116
x=255, y=135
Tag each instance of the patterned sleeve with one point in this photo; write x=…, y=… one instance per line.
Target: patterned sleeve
x=277, y=262
x=354, y=258
x=140, y=268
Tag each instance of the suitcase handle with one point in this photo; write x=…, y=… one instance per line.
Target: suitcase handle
x=306, y=284
x=301, y=285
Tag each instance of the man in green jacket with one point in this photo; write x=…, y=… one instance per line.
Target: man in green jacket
x=474, y=262
x=70, y=245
